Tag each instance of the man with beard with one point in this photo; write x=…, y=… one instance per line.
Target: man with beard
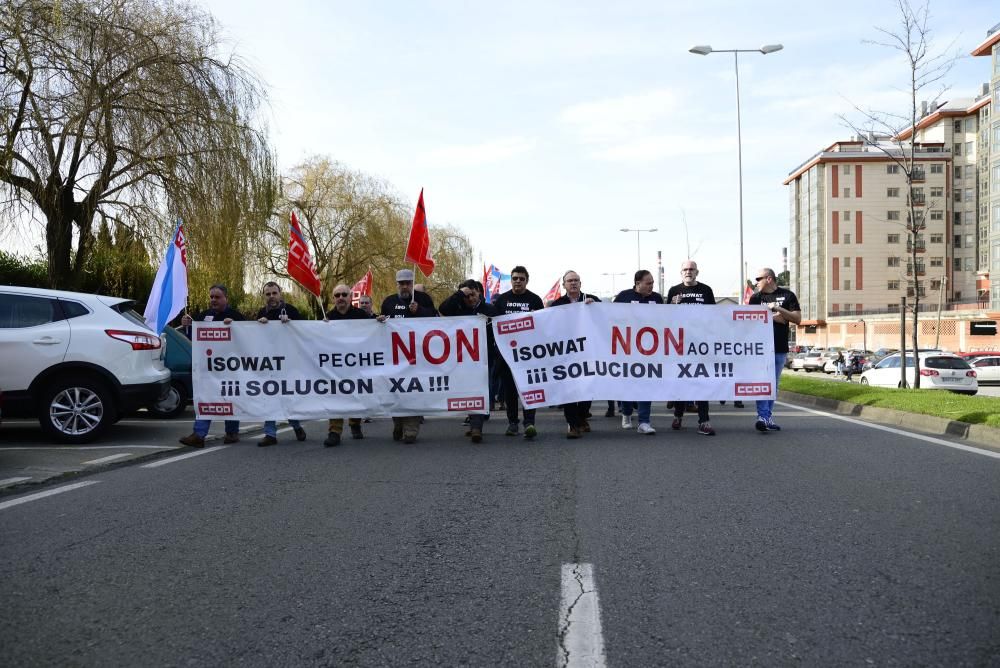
x=577, y=411
x=275, y=308
x=404, y=304
x=641, y=293
x=519, y=299
x=690, y=291
x=218, y=311
x=784, y=306
x=468, y=300
x=343, y=310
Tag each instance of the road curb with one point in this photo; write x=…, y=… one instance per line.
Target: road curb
x=973, y=434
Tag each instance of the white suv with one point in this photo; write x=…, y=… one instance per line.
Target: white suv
x=76, y=361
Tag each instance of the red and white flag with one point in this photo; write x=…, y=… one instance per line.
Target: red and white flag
x=362, y=288
x=553, y=294
x=418, y=247
x=300, y=263
x=747, y=293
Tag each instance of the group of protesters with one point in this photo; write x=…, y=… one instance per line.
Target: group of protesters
x=411, y=302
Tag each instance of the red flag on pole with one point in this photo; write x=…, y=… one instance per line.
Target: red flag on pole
x=553, y=293
x=362, y=288
x=300, y=263
x=418, y=248
x=747, y=293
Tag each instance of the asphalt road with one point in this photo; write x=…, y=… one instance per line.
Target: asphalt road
x=829, y=543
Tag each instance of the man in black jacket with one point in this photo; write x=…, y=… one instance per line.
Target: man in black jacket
x=275, y=308
x=576, y=412
x=468, y=300
x=218, y=310
x=519, y=299
x=406, y=304
x=691, y=291
x=343, y=310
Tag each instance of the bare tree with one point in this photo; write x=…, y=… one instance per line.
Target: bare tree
x=895, y=134
x=124, y=109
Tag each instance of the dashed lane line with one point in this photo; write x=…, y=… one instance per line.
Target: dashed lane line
x=11, y=481
x=109, y=458
x=41, y=495
x=171, y=460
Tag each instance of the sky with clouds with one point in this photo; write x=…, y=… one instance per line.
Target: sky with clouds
x=541, y=128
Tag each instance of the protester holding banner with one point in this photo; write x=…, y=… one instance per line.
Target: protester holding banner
x=468, y=300
x=576, y=412
x=641, y=293
x=405, y=304
x=275, y=308
x=365, y=304
x=218, y=310
x=691, y=291
x=343, y=310
x=519, y=299
x=785, y=308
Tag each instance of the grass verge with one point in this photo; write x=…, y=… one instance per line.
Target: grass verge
x=973, y=410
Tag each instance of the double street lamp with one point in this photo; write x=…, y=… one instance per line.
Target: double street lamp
x=612, y=275
x=638, y=255
x=704, y=50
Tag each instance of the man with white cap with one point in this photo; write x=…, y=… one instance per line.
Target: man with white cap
x=406, y=304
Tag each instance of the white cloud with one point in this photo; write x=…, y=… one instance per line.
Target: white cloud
x=471, y=155
x=648, y=149
x=621, y=118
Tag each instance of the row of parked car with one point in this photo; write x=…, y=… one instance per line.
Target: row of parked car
x=962, y=372
x=80, y=362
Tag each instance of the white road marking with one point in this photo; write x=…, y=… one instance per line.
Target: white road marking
x=164, y=462
x=4, y=448
x=42, y=495
x=581, y=642
x=899, y=432
x=109, y=458
x=11, y=481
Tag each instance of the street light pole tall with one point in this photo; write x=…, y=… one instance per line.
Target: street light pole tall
x=704, y=50
x=638, y=256
x=612, y=275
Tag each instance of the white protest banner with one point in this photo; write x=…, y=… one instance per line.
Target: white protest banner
x=639, y=352
x=349, y=368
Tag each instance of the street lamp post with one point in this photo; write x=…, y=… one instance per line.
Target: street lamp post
x=612, y=275
x=638, y=260
x=704, y=50
x=864, y=336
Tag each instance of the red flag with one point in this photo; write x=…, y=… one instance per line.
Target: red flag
x=362, y=288
x=300, y=263
x=418, y=248
x=747, y=293
x=553, y=293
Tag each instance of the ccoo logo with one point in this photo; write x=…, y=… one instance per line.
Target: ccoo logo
x=205, y=408
x=215, y=334
x=758, y=316
x=753, y=389
x=467, y=404
x=516, y=325
x=533, y=397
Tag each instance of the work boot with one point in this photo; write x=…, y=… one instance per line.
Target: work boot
x=300, y=434
x=397, y=431
x=193, y=440
x=332, y=440
x=572, y=432
x=476, y=435
x=356, y=432
x=231, y=438
x=266, y=441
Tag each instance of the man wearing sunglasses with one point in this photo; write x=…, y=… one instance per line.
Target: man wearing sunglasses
x=691, y=291
x=519, y=299
x=468, y=300
x=343, y=310
x=784, y=306
x=275, y=308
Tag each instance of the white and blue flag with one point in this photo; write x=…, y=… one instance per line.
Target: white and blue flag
x=170, y=289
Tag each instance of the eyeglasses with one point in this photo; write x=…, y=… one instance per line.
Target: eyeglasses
x=518, y=278
x=761, y=278
x=341, y=294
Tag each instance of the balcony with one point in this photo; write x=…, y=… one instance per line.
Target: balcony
x=918, y=199
x=918, y=176
x=921, y=246
x=921, y=270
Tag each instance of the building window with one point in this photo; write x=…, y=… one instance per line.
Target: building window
x=937, y=261
x=892, y=215
x=937, y=215
x=893, y=308
x=970, y=217
x=937, y=238
x=957, y=195
x=892, y=285
x=936, y=284
x=847, y=192
x=970, y=194
x=970, y=124
x=847, y=238
x=956, y=264
x=969, y=146
x=847, y=285
x=847, y=262
x=958, y=172
x=970, y=264
x=958, y=241
x=846, y=215
x=847, y=169
x=937, y=168
x=957, y=150
x=957, y=218
x=970, y=240
x=937, y=192
x=893, y=261
x=893, y=239
x=892, y=192
x=892, y=169
x=957, y=126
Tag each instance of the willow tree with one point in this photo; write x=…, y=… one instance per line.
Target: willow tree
x=126, y=111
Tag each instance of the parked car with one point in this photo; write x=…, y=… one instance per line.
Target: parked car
x=791, y=357
x=177, y=358
x=938, y=371
x=76, y=361
x=798, y=361
x=987, y=368
x=814, y=361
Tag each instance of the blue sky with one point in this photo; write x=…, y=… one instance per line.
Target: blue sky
x=541, y=128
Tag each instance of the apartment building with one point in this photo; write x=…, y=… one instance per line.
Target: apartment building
x=988, y=145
